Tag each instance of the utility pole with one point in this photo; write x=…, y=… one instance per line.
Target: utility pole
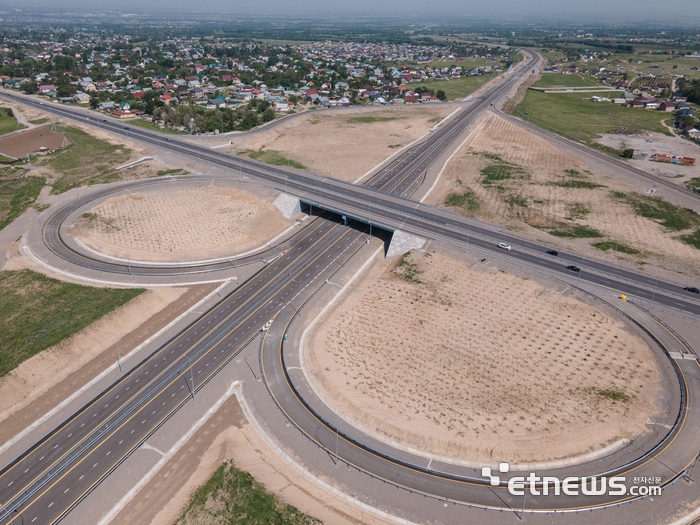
x=615, y=254
x=119, y=358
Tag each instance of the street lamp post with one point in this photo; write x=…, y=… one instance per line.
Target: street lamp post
x=651, y=303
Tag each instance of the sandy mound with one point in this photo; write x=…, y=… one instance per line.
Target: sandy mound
x=548, y=190
x=481, y=366
x=347, y=144
x=190, y=224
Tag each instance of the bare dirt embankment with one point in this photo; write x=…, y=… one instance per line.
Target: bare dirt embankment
x=182, y=225
x=506, y=175
x=480, y=365
x=346, y=144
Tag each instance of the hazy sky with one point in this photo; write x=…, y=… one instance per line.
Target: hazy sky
x=666, y=11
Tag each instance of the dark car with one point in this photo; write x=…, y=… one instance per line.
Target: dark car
x=552, y=252
x=573, y=268
x=126, y=128
x=691, y=289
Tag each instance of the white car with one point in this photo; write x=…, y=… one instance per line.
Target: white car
x=504, y=246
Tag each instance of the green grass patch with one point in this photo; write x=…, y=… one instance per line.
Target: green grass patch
x=668, y=215
x=369, y=119
x=89, y=158
x=8, y=123
x=5, y=158
x=692, y=239
x=467, y=200
x=613, y=394
x=270, y=156
x=577, y=184
x=37, y=312
x=497, y=172
x=38, y=121
x=577, y=210
x=174, y=171
x=494, y=156
x=573, y=80
x=576, y=232
x=575, y=116
x=17, y=193
x=574, y=174
x=516, y=200
x=693, y=184
x=150, y=125
x=232, y=496
x=454, y=88
x=610, y=245
x=407, y=270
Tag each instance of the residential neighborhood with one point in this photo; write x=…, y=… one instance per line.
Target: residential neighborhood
x=210, y=85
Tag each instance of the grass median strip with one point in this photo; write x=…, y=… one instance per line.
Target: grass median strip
x=37, y=312
x=233, y=496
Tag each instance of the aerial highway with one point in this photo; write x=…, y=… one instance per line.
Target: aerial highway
x=51, y=477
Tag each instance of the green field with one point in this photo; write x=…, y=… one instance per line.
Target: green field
x=270, y=156
x=37, y=312
x=89, y=158
x=232, y=496
x=574, y=80
x=17, y=193
x=38, y=121
x=455, y=88
x=575, y=116
x=150, y=125
x=8, y=123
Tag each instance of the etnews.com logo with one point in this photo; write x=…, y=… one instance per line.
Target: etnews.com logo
x=573, y=486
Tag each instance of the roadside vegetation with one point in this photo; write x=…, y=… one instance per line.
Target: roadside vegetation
x=17, y=193
x=575, y=231
x=231, y=496
x=369, y=119
x=465, y=199
x=455, y=88
x=89, y=158
x=270, y=156
x=693, y=184
x=37, y=312
x=407, y=270
x=615, y=246
x=8, y=122
x=150, y=125
x=672, y=217
x=575, y=116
